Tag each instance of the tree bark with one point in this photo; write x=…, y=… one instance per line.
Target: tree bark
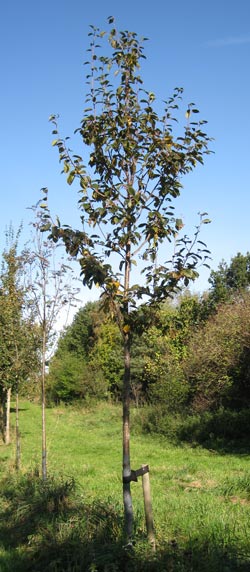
x=127, y=498
x=18, y=439
x=7, y=417
x=2, y=415
x=44, y=449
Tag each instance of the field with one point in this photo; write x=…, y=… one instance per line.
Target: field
x=201, y=500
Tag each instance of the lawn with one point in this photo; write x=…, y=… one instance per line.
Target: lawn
x=201, y=499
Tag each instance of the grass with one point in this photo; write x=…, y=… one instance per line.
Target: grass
x=201, y=500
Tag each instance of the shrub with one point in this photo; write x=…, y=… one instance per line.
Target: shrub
x=217, y=364
x=71, y=378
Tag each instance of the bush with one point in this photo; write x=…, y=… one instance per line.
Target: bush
x=71, y=378
x=223, y=429
x=217, y=364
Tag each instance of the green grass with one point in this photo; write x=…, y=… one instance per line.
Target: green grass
x=201, y=500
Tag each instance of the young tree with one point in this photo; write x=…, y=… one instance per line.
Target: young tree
x=50, y=290
x=11, y=300
x=18, y=335
x=135, y=165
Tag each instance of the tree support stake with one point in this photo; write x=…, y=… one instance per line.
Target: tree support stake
x=148, y=506
x=144, y=473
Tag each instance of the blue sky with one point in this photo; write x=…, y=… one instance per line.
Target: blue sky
x=203, y=47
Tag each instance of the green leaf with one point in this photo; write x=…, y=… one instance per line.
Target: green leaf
x=179, y=224
x=45, y=227
x=71, y=178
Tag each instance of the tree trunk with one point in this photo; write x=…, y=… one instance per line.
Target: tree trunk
x=2, y=415
x=7, y=417
x=127, y=498
x=18, y=439
x=44, y=449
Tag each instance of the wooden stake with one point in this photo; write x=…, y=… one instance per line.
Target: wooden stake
x=148, y=509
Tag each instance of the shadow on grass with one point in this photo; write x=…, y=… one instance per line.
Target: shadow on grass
x=13, y=409
x=48, y=528
x=224, y=431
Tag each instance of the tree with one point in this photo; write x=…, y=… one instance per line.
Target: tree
x=90, y=350
x=230, y=279
x=136, y=162
x=50, y=290
x=80, y=336
x=71, y=377
x=18, y=335
x=11, y=300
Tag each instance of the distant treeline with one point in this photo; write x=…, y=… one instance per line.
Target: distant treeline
x=191, y=353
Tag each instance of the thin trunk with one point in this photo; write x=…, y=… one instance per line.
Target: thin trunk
x=7, y=417
x=44, y=450
x=2, y=407
x=127, y=498
x=18, y=439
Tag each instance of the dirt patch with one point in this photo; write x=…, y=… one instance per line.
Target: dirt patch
x=198, y=485
x=238, y=500
x=194, y=485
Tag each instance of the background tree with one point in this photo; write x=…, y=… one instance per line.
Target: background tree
x=230, y=279
x=18, y=334
x=11, y=301
x=90, y=351
x=71, y=378
x=217, y=358
x=50, y=291
x=135, y=166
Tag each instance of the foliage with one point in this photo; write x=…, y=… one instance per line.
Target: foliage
x=88, y=361
x=70, y=378
x=165, y=383
x=107, y=357
x=19, y=336
x=161, y=347
x=217, y=360
x=223, y=430
x=179, y=355
x=80, y=336
x=230, y=279
x=135, y=166
x=93, y=340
